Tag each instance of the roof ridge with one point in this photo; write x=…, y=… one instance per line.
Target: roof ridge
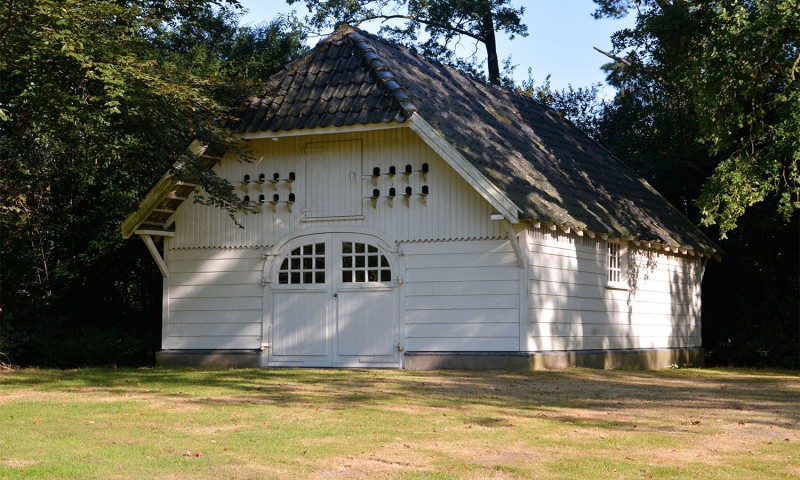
x=381, y=70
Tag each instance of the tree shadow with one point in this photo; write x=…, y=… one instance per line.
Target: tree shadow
x=555, y=395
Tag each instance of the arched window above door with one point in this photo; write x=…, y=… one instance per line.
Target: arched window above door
x=303, y=266
x=362, y=263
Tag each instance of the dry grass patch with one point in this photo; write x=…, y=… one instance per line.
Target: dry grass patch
x=357, y=424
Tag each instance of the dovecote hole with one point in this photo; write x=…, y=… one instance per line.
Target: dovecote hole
x=262, y=178
x=392, y=192
x=292, y=176
x=408, y=190
x=262, y=199
x=392, y=170
x=276, y=198
x=247, y=179
x=376, y=193
x=424, y=189
x=291, y=198
x=376, y=172
x=276, y=176
x=424, y=168
x=408, y=170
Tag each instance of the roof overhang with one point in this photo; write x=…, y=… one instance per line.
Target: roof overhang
x=154, y=216
x=321, y=131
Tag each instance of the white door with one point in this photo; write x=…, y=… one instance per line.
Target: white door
x=333, y=180
x=334, y=304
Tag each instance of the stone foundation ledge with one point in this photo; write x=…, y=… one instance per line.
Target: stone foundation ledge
x=627, y=359
x=209, y=358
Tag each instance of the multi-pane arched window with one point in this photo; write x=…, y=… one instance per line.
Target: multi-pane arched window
x=304, y=265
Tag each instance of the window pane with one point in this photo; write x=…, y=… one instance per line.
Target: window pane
x=296, y=251
x=384, y=262
x=360, y=262
x=285, y=264
x=347, y=247
x=307, y=277
x=295, y=277
x=295, y=264
x=347, y=277
x=307, y=250
x=386, y=276
x=372, y=275
x=372, y=249
x=308, y=263
x=347, y=262
x=360, y=276
x=359, y=248
x=319, y=277
x=372, y=261
x=320, y=263
x=283, y=278
x=320, y=248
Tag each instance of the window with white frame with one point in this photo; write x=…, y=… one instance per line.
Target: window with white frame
x=304, y=265
x=617, y=265
x=363, y=263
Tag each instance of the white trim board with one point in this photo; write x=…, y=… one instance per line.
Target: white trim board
x=465, y=169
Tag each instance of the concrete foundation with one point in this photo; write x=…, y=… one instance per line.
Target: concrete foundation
x=638, y=359
x=209, y=358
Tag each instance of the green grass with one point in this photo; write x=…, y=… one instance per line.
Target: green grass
x=291, y=423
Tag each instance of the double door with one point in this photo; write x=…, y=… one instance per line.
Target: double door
x=334, y=303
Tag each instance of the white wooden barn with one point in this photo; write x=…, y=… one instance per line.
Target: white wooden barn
x=413, y=217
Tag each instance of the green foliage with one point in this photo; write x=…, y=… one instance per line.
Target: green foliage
x=98, y=100
x=434, y=27
x=731, y=68
x=706, y=105
x=748, y=84
x=581, y=106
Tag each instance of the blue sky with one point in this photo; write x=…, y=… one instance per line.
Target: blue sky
x=561, y=36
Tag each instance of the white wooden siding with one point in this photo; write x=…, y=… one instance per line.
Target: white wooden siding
x=461, y=296
x=452, y=210
x=215, y=299
x=570, y=308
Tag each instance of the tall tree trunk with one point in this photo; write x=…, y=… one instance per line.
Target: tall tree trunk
x=491, y=48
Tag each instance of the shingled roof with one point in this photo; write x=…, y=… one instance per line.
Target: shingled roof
x=547, y=168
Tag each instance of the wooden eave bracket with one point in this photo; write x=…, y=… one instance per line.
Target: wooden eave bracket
x=488, y=190
x=513, y=239
x=151, y=246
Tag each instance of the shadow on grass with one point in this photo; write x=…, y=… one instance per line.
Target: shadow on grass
x=534, y=394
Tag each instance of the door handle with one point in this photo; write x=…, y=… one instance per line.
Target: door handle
x=335, y=295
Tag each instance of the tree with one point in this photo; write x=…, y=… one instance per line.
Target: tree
x=705, y=102
x=98, y=102
x=737, y=65
x=581, y=106
x=446, y=23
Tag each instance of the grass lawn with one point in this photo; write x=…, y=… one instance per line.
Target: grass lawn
x=291, y=423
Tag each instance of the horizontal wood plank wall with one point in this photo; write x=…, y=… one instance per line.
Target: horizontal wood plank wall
x=570, y=308
x=461, y=296
x=215, y=299
x=452, y=210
